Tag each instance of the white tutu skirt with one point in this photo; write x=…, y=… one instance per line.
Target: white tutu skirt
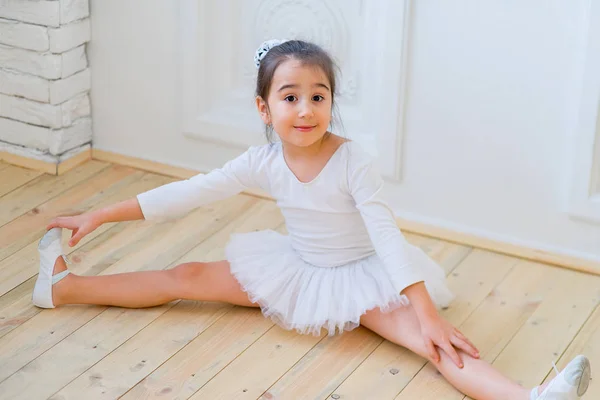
x=301, y=296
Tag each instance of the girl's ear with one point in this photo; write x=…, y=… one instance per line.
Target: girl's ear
x=263, y=110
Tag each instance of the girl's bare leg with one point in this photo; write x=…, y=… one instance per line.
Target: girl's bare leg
x=478, y=379
x=190, y=281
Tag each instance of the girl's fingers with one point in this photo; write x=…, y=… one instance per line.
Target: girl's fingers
x=451, y=351
x=74, y=240
x=472, y=349
x=55, y=223
x=433, y=354
x=61, y=222
x=77, y=235
x=464, y=346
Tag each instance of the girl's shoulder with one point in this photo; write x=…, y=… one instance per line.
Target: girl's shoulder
x=263, y=152
x=361, y=167
x=263, y=148
x=356, y=154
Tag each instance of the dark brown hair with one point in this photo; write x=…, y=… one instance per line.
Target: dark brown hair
x=308, y=54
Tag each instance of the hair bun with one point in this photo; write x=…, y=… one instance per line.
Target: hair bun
x=264, y=48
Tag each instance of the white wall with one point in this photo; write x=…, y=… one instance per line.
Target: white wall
x=490, y=134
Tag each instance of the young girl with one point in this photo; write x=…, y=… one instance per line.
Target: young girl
x=344, y=263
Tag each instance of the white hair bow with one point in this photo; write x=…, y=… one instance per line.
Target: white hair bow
x=264, y=48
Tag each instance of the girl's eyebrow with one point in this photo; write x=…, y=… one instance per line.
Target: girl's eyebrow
x=293, y=86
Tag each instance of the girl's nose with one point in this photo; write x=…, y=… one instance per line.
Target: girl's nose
x=306, y=110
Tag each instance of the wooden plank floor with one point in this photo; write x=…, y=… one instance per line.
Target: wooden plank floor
x=522, y=315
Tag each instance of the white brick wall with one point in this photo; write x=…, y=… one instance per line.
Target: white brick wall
x=71, y=137
x=73, y=10
x=63, y=89
x=25, y=36
x=44, y=78
x=25, y=135
x=32, y=112
x=23, y=85
x=35, y=12
x=69, y=36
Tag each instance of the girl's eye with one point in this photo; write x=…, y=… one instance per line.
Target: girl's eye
x=290, y=98
x=318, y=97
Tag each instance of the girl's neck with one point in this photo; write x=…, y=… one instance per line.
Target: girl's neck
x=295, y=152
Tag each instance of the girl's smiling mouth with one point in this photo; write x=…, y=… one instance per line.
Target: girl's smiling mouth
x=305, y=128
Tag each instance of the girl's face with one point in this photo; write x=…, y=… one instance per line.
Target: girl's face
x=298, y=105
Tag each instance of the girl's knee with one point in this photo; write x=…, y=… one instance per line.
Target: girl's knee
x=189, y=273
x=208, y=282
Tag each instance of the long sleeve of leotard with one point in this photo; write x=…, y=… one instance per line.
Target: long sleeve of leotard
x=179, y=198
x=366, y=186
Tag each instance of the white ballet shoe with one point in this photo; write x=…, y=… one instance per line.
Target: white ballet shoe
x=50, y=249
x=570, y=384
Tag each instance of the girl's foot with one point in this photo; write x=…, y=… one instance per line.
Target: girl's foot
x=570, y=384
x=53, y=268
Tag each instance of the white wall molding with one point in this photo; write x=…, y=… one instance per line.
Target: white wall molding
x=227, y=122
x=389, y=24
x=218, y=76
x=585, y=175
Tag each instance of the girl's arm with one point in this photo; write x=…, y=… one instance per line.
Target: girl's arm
x=128, y=210
x=83, y=224
x=435, y=330
x=421, y=301
x=405, y=267
x=171, y=200
x=177, y=199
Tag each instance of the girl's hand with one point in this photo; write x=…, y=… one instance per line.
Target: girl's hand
x=438, y=332
x=80, y=225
